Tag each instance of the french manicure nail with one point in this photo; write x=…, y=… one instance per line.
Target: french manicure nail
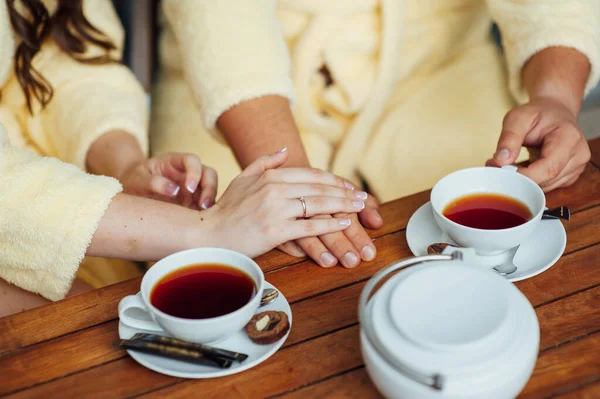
x=367, y=253
x=350, y=259
x=358, y=204
x=348, y=185
x=207, y=203
x=361, y=195
x=327, y=259
x=502, y=155
x=172, y=189
x=345, y=222
x=192, y=185
x=284, y=149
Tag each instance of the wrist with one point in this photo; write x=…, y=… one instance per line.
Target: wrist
x=557, y=73
x=202, y=229
x=113, y=154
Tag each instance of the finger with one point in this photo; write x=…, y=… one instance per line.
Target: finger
x=314, y=249
x=208, y=188
x=370, y=217
x=556, y=153
x=321, y=206
x=291, y=248
x=565, y=181
x=162, y=186
x=515, y=127
x=303, y=176
x=316, y=227
x=321, y=190
x=266, y=162
x=340, y=246
x=359, y=238
x=189, y=164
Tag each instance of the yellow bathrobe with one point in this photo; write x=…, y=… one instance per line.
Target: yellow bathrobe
x=419, y=87
x=35, y=199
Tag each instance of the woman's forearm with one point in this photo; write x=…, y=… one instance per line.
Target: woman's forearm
x=262, y=126
x=141, y=229
x=113, y=154
x=557, y=72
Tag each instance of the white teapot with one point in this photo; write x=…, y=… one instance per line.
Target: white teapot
x=446, y=329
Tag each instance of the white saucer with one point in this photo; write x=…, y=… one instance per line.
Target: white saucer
x=238, y=343
x=533, y=257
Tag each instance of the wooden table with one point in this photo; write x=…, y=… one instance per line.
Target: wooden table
x=67, y=349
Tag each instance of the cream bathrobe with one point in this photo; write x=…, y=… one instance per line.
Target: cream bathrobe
x=49, y=211
x=419, y=87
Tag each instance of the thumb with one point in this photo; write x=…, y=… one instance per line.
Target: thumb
x=515, y=127
x=267, y=162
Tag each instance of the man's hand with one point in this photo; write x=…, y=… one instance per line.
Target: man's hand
x=549, y=125
x=262, y=126
x=555, y=80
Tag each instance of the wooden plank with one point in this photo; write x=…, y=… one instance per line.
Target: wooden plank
x=572, y=273
x=595, y=148
x=574, y=316
x=572, y=364
x=353, y=385
x=290, y=368
x=60, y=318
x=589, y=391
x=583, y=194
x=560, y=321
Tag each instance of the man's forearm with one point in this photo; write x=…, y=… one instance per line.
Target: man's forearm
x=114, y=153
x=557, y=72
x=262, y=126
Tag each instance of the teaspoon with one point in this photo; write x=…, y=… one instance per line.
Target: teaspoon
x=268, y=296
x=504, y=269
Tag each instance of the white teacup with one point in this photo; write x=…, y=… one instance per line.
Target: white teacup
x=202, y=331
x=488, y=180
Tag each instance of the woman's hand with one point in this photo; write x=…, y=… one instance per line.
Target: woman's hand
x=174, y=177
x=260, y=209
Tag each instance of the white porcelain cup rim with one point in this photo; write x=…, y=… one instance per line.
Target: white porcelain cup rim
x=150, y=280
x=536, y=214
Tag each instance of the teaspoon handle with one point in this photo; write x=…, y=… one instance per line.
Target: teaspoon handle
x=562, y=213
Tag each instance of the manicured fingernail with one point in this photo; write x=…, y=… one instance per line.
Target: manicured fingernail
x=348, y=185
x=502, y=155
x=368, y=253
x=358, y=204
x=192, y=185
x=284, y=149
x=327, y=259
x=361, y=195
x=207, y=203
x=345, y=222
x=172, y=189
x=350, y=259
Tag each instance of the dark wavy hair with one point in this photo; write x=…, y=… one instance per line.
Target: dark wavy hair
x=68, y=27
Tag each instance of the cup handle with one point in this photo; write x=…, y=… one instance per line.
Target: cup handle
x=510, y=168
x=130, y=303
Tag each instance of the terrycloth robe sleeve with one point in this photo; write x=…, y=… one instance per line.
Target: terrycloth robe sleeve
x=89, y=100
x=529, y=26
x=232, y=50
x=49, y=211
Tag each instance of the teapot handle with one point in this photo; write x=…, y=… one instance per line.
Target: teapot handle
x=435, y=381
